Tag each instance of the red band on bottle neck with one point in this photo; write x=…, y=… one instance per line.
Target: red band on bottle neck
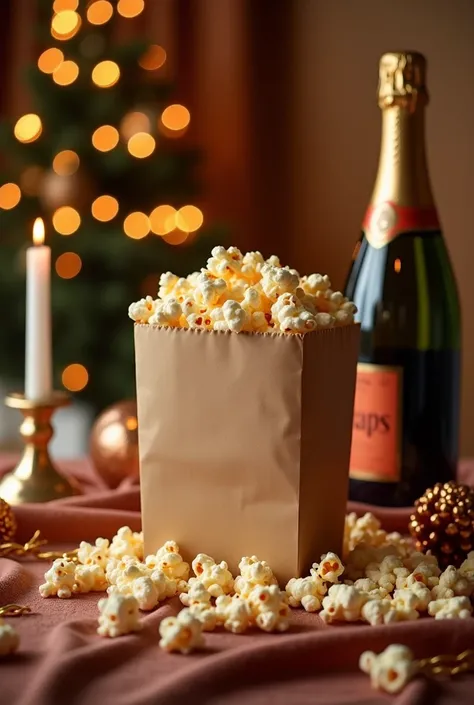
x=384, y=221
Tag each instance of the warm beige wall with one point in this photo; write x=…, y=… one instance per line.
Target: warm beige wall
x=337, y=127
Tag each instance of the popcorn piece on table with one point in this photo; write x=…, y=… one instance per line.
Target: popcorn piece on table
x=170, y=562
x=375, y=611
x=167, y=314
x=234, y=613
x=9, y=638
x=60, y=579
x=386, y=572
x=415, y=558
x=330, y=568
x=140, y=311
x=182, y=633
x=451, y=608
x=127, y=543
x=343, y=603
x=216, y=577
x=467, y=567
x=365, y=529
x=269, y=608
x=452, y=583
x=118, y=615
x=390, y=670
x=94, y=554
x=253, y=572
x=224, y=263
x=148, y=587
x=89, y=578
x=367, y=585
x=307, y=592
x=426, y=573
x=404, y=606
x=116, y=567
x=198, y=599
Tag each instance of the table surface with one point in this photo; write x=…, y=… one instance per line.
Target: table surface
x=62, y=660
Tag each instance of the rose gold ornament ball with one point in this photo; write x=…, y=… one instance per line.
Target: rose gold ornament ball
x=7, y=522
x=114, y=443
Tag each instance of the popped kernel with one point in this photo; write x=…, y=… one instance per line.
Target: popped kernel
x=451, y=608
x=168, y=314
x=385, y=574
x=253, y=572
x=198, y=599
x=277, y=280
x=148, y=589
x=140, y=311
x=307, y=592
x=233, y=318
x=94, y=554
x=390, y=670
x=372, y=589
x=59, y=579
x=234, y=613
x=199, y=321
x=171, y=286
x=343, y=603
x=252, y=264
x=467, y=566
x=116, y=567
x=182, y=633
x=269, y=608
x=421, y=593
x=216, y=577
x=126, y=543
x=404, y=604
x=452, y=583
x=89, y=578
x=209, y=290
x=375, y=611
x=315, y=282
x=426, y=573
x=118, y=615
x=224, y=263
x=330, y=568
x=9, y=638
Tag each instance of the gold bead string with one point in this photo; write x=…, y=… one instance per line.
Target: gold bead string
x=446, y=664
x=13, y=610
x=33, y=548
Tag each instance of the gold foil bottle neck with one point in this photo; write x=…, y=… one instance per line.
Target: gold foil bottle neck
x=402, y=80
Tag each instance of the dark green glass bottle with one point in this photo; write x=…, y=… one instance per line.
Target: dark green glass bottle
x=406, y=417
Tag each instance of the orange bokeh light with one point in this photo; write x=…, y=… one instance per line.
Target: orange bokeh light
x=106, y=74
x=105, y=138
x=153, y=58
x=68, y=265
x=100, y=12
x=28, y=128
x=66, y=73
x=50, y=60
x=10, y=195
x=66, y=163
x=163, y=220
x=66, y=220
x=75, y=377
x=176, y=117
x=130, y=8
x=105, y=208
x=136, y=225
x=141, y=145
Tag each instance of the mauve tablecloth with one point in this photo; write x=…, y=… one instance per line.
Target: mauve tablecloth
x=62, y=660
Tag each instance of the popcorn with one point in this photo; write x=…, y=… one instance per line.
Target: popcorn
x=172, y=565
x=182, y=633
x=452, y=583
x=375, y=611
x=60, y=579
x=116, y=567
x=198, y=599
x=169, y=313
x=9, y=638
x=404, y=604
x=365, y=529
x=199, y=321
x=253, y=572
x=372, y=589
x=118, y=615
x=426, y=573
x=314, y=283
x=215, y=577
x=140, y=311
x=307, y=592
x=126, y=543
x=148, y=590
x=224, y=262
x=385, y=574
x=94, y=554
x=451, y=608
x=171, y=286
x=390, y=670
x=233, y=317
x=252, y=264
x=413, y=560
x=234, y=613
x=343, y=603
x=330, y=568
x=209, y=290
x=467, y=567
x=277, y=280
x=89, y=578
x=269, y=607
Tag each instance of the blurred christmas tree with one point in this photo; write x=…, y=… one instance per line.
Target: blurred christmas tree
x=98, y=159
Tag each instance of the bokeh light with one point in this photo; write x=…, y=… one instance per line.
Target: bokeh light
x=30, y=180
x=136, y=225
x=177, y=237
x=130, y=8
x=50, y=60
x=75, y=377
x=66, y=73
x=66, y=163
x=65, y=25
x=68, y=265
x=105, y=208
x=141, y=145
x=60, y=5
x=106, y=74
x=176, y=117
x=66, y=220
x=134, y=122
x=189, y=219
x=105, y=138
x=153, y=58
x=10, y=195
x=163, y=220
x=100, y=12
x=28, y=128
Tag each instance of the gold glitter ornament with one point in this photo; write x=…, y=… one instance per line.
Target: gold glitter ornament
x=443, y=522
x=7, y=522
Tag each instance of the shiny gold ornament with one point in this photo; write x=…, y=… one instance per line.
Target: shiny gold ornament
x=114, y=443
x=7, y=522
x=443, y=522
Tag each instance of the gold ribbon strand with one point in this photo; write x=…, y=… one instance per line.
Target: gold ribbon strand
x=33, y=548
x=447, y=664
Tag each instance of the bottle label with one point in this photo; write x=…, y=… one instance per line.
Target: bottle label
x=377, y=425
x=384, y=221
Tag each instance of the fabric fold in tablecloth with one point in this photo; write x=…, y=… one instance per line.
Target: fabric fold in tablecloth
x=62, y=660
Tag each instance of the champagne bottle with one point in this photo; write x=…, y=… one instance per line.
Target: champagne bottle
x=406, y=416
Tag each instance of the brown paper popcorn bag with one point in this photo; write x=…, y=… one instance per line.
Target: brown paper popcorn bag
x=244, y=442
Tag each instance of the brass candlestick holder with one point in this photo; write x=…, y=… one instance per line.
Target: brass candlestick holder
x=35, y=479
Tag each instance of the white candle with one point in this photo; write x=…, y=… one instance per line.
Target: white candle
x=38, y=361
